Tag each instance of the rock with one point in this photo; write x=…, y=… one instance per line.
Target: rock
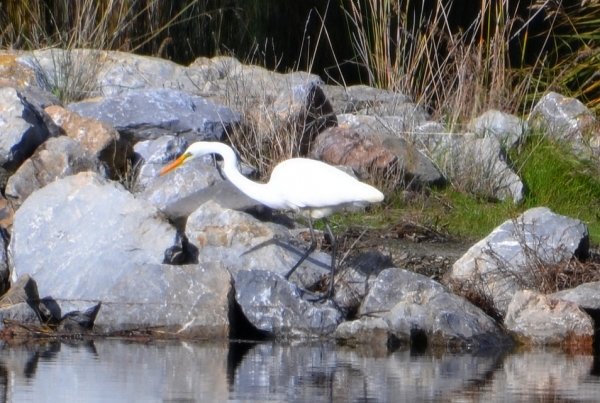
x=56, y=158
x=24, y=127
x=562, y=117
x=401, y=126
x=394, y=285
x=367, y=331
x=375, y=154
x=92, y=242
x=476, y=166
x=153, y=155
x=20, y=314
x=7, y=214
x=221, y=192
x=20, y=304
x=508, y=260
x=23, y=290
x=586, y=296
x=190, y=300
x=147, y=114
x=291, y=103
x=421, y=311
x=75, y=218
x=77, y=322
x=242, y=242
x=99, y=138
x=13, y=73
x=121, y=72
x=275, y=306
x=507, y=129
x=354, y=280
x=69, y=74
x=38, y=97
x=533, y=318
x=362, y=99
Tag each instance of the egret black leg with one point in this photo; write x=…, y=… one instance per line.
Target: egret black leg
x=329, y=293
x=311, y=248
x=333, y=251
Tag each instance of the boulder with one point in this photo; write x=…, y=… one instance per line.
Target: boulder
x=478, y=166
x=13, y=73
x=537, y=319
x=38, y=97
x=376, y=154
x=509, y=259
x=563, y=118
x=99, y=138
x=417, y=310
x=20, y=305
x=365, y=100
x=24, y=127
x=507, y=129
x=586, y=296
x=355, y=278
x=56, y=158
x=69, y=74
x=122, y=71
x=273, y=103
x=147, y=114
x=87, y=241
x=276, y=307
x=242, y=242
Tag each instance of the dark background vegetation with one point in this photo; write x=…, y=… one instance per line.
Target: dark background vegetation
x=280, y=35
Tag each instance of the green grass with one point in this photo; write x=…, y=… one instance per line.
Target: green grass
x=557, y=179
x=554, y=177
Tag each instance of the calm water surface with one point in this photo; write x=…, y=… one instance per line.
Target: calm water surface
x=121, y=371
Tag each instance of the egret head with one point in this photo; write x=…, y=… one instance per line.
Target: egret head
x=194, y=151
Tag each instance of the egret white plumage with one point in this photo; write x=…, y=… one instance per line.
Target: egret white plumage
x=310, y=187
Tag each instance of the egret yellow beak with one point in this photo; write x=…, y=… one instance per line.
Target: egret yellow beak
x=174, y=164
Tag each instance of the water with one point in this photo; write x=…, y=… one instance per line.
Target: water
x=126, y=371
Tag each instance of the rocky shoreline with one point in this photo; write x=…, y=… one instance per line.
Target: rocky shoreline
x=96, y=243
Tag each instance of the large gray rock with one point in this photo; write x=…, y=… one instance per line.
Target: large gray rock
x=507, y=129
x=475, y=165
x=24, y=126
x=70, y=73
x=562, y=117
x=411, y=308
x=509, y=259
x=99, y=138
x=376, y=154
x=276, y=307
x=587, y=295
x=533, y=318
x=242, y=242
x=292, y=103
x=56, y=158
x=363, y=100
x=354, y=279
x=87, y=241
x=123, y=71
x=150, y=113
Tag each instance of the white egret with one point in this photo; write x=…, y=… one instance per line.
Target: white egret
x=307, y=186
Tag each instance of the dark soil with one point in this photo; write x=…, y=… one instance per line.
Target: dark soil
x=410, y=247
